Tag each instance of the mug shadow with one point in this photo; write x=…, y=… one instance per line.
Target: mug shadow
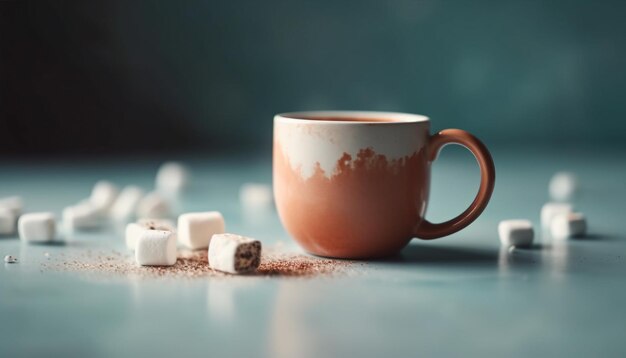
x=49, y=243
x=596, y=237
x=427, y=253
x=536, y=247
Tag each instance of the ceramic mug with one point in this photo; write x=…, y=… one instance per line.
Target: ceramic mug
x=355, y=184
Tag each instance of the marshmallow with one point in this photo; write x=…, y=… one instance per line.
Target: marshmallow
x=564, y=226
x=563, y=186
x=153, y=205
x=7, y=221
x=103, y=196
x=132, y=233
x=196, y=229
x=126, y=203
x=37, y=227
x=156, y=248
x=84, y=215
x=516, y=232
x=135, y=230
x=234, y=254
x=550, y=210
x=172, y=178
x=255, y=195
x=13, y=203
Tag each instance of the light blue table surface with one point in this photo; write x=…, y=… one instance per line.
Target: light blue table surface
x=458, y=296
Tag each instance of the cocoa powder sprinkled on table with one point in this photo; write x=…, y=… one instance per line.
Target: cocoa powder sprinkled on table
x=300, y=266
x=194, y=264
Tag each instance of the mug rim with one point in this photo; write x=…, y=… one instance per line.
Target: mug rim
x=395, y=117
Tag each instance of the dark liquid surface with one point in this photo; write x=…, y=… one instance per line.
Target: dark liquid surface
x=347, y=119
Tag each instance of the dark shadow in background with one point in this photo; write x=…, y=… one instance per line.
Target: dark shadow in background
x=65, y=86
x=164, y=76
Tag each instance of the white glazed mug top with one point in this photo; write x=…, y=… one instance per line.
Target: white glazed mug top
x=311, y=139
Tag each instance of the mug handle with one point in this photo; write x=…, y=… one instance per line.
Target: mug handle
x=427, y=230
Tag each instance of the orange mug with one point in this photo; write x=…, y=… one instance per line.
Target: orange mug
x=355, y=185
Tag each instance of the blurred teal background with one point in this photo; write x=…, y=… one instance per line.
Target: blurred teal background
x=541, y=82
x=145, y=76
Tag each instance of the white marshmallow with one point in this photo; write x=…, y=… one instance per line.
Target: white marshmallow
x=81, y=216
x=13, y=203
x=517, y=232
x=126, y=203
x=103, y=195
x=135, y=230
x=132, y=233
x=7, y=221
x=37, y=227
x=156, y=248
x=255, y=195
x=550, y=210
x=196, y=229
x=172, y=178
x=234, y=254
x=563, y=186
x=154, y=206
x=564, y=226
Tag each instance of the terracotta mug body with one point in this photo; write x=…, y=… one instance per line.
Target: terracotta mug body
x=355, y=184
